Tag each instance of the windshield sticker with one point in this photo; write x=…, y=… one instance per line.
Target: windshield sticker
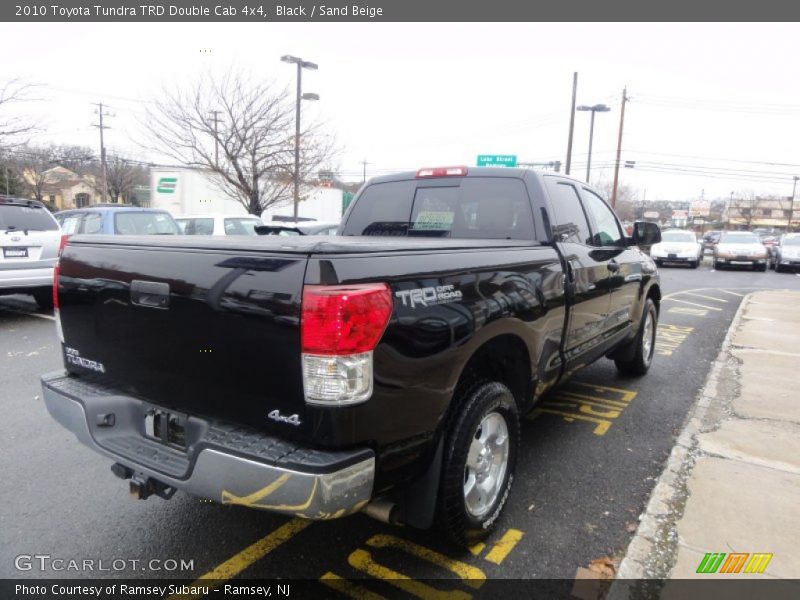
x=434, y=220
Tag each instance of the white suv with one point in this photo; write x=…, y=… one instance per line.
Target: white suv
x=29, y=243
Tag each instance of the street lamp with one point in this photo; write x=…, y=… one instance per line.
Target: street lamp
x=301, y=64
x=593, y=109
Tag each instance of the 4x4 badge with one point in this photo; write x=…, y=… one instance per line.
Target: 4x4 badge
x=275, y=415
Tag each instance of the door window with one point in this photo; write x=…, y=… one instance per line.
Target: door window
x=570, y=223
x=607, y=231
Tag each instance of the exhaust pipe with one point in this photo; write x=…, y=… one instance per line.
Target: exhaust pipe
x=383, y=510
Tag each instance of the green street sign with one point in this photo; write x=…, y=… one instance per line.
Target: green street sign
x=167, y=185
x=497, y=160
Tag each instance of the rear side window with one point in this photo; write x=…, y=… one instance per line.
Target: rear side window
x=26, y=218
x=70, y=224
x=382, y=209
x=144, y=223
x=474, y=207
x=241, y=226
x=92, y=223
x=197, y=226
x=570, y=223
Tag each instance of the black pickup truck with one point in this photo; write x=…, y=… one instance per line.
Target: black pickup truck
x=382, y=370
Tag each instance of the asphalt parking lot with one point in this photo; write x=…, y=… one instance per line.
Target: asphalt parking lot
x=590, y=454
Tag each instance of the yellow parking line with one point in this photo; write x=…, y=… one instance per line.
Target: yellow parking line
x=472, y=576
x=693, y=304
x=503, y=547
x=706, y=297
x=348, y=588
x=363, y=561
x=239, y=562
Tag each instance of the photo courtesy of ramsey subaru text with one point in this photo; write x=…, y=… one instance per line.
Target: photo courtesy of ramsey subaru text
x=395, y=357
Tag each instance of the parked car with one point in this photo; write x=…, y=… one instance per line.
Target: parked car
x=787, y=253
x=740, y=248
x=677, y=246
x=111, y=219
x=298, y=228
x=218, y=224
x=30, y=240
x=769, y=240
x=378, y=374
x=710, y=239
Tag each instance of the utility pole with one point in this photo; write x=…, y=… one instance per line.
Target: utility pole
x=216, y=143
x=593, y=109
x=571, y=122
x=101, y=127
x=301, y=64
x=619, y=147
x=788, y=225
x=364, y=179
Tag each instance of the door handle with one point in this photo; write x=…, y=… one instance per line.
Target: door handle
x=613, y=266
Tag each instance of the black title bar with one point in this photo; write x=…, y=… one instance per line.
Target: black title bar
x=398, y=11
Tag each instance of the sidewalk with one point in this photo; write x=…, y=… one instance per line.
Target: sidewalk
x=732, y=482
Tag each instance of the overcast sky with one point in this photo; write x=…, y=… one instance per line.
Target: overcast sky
x=721, y=102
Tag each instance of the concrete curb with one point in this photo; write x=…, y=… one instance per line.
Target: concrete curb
x=651, y=552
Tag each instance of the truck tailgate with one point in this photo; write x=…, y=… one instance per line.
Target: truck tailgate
x=210, y=330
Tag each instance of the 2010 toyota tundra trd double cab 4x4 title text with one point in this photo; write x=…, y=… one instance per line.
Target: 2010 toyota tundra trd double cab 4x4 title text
x=382, y=370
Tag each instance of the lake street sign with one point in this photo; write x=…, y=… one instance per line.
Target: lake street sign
x=497, y=160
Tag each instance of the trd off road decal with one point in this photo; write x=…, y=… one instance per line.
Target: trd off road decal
x=429, y=296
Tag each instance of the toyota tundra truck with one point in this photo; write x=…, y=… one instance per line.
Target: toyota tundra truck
x=381, y=370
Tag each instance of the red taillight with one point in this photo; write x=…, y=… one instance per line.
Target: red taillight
x=443, y=172
x=57, y=269
x=344, y=319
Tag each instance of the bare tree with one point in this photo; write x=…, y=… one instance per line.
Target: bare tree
x=250, y=124
x=13, y=128
x=744, y=207
x=627, y=199
x=122, y=177
x=78, y=159
x=32, y=164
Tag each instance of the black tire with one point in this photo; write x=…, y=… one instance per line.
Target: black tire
x=658, y=263
x=694, y=264
x=778, y=269
x=44, y=299
x=643, y=352
x=762, y=268
x=456, y=518
x=716, y=265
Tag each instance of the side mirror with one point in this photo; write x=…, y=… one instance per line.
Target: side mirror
x=646, y=233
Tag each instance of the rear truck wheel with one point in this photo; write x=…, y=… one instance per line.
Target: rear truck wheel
x=644, y=344
x=778, y=268
x=715, y=264
x=694, y=264
x=763, y=268
x=658, y=263
x=44, y=299
x=480, y=456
